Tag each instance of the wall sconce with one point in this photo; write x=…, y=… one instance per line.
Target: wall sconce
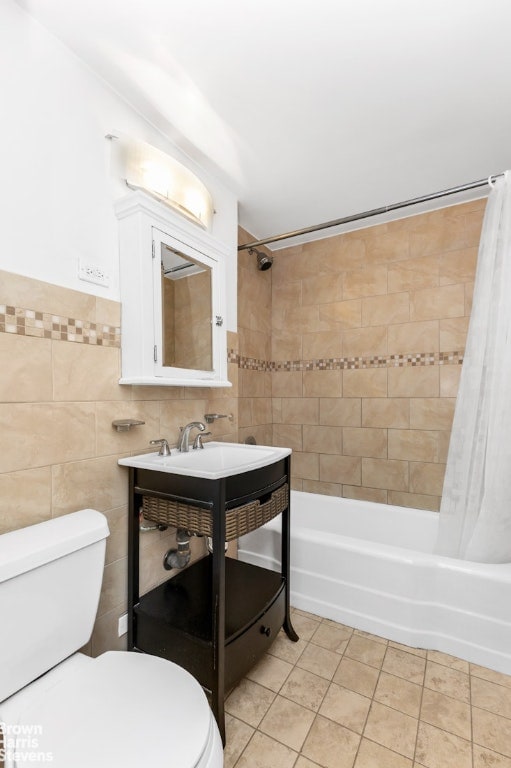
x=147, y=168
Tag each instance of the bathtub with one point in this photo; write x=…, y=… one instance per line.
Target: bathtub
x=371, y=566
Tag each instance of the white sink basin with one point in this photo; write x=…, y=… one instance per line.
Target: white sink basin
x=214, y=461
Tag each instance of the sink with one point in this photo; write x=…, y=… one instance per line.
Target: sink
x=212, y=462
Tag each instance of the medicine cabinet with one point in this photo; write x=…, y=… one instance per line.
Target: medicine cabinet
x=172, y=277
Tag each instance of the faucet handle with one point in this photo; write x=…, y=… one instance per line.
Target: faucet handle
x=164, y=446
x=197, y=443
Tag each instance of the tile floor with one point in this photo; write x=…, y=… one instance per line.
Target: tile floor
x=340, y=698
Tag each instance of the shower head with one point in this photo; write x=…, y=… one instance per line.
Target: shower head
x=264, y=261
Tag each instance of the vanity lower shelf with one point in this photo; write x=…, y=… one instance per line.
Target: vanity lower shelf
x=175, y=620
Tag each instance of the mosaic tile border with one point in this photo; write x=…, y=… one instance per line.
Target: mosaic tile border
x=415, y=359
x=28, y=322
x=44, y=325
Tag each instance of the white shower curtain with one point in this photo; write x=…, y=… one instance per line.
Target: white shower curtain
x=475, y=514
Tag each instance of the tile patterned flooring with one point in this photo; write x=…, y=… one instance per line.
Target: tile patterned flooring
x=341, y=698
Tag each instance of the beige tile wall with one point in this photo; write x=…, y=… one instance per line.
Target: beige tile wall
x=60, y=364
x=368, y=332
x=254, y=336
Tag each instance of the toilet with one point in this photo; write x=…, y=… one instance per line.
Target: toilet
x=58, y=706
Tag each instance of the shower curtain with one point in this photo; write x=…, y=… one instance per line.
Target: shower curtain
x=475, y=513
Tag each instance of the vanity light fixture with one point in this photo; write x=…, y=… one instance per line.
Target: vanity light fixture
x=147, y=168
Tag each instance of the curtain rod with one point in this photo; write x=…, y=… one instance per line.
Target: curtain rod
x=373, y=212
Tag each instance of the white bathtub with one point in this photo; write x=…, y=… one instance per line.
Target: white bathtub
x=371, y=566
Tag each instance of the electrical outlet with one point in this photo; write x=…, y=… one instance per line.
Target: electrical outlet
x=123, y=624
x=92, y=273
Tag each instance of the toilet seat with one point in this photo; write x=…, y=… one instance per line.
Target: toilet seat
x=122, y=709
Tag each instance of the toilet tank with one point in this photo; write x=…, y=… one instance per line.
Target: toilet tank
x=50, y=582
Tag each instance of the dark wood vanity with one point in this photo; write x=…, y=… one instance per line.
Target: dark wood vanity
x=217, y=617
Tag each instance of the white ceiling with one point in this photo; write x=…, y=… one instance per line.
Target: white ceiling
x=310, y=111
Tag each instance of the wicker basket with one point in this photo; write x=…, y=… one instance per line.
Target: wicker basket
x=238, y=521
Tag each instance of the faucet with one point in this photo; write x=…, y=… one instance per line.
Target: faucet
x=185, y=434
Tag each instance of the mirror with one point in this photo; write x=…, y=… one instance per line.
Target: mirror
x=186, y=311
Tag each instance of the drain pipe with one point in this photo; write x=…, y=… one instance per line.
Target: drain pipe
x=209, y=544
x=180, y=557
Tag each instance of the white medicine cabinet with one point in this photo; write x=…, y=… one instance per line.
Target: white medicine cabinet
x=172, y=277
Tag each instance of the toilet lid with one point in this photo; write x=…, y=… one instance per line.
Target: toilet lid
x=123, y=709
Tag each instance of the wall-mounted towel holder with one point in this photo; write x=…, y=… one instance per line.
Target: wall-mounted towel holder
x=211, y=417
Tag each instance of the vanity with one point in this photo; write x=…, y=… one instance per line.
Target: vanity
x=218, y=616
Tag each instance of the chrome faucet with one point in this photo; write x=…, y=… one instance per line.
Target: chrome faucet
x=185, y=434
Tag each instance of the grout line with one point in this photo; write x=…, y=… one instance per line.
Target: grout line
x=362, y=735
x=471, y=719
x=420, y=710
